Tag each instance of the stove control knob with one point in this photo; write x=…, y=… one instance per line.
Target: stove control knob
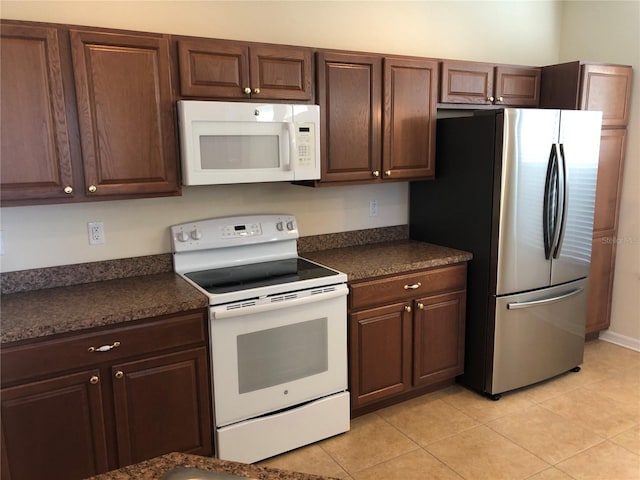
x=280, y=226
x=183, y=236
x=196, y=234
x=290, y=225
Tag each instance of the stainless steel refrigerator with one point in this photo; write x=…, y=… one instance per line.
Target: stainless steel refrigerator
x=516, y=188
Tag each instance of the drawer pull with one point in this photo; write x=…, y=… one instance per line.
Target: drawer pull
x=104, y=348
x=93, y=380
x=407, y=308
x=420, y=306
x=119, y=374
x=413, y=287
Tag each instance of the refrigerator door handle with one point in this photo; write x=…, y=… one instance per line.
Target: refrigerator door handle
x=544, y=301
x=562, y=202
x=550, y=202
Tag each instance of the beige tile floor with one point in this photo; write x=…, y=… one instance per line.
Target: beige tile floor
x=583, y=425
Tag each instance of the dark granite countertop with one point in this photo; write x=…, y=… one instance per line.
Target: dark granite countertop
x=47, y=311
x=38, y=313
x=386, y=258
x=154, y=469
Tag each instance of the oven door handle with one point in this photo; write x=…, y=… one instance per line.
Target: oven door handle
x=278, y=302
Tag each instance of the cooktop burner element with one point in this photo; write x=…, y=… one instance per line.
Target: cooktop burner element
x=254, y=275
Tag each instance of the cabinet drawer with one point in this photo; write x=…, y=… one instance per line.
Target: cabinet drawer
x=412, y=285
x=81, y=351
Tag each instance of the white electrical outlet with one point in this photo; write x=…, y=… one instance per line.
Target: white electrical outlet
x=96, y=233
x=373, y=208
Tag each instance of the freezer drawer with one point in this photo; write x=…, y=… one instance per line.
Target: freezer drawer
x=538, y=335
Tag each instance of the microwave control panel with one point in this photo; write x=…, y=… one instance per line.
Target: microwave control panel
x=305, y=145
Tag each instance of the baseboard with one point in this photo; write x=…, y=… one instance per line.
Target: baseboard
x=622, y=340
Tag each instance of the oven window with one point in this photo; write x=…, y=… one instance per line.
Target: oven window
x=224, y=152
x=282, y=354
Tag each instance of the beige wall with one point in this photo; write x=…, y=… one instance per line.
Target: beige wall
x=610, y=32
x=527, y=32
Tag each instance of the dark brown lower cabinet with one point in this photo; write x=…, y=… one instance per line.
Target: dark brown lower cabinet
x=54, y=428
x=438, y=340
x=603, y=255
x=70, y=411
x=411, y=346
x=380, y=353
x=171, y=384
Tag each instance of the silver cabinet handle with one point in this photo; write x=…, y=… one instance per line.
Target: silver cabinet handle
x=413, y=287
x=92, y=188
x=93, y=380
x=420, y=306
x=407, y=308
x=490, y=99
x=68, y=189
x=256, y=90
x=247, y=90
x=500, y=99
x=119, y=374
x=375, y=173
x=104, y=348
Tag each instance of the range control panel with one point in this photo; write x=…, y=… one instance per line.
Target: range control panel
x=241, y=230
x=233, y=231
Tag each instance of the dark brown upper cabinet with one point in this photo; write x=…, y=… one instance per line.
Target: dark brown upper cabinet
x=87, y=115
x=589, y=86
x=35, y=141
x=238, y=70
x=377, y=117
x=125, y=113
x=350, y=98
x=409, y=118
x=477, y=83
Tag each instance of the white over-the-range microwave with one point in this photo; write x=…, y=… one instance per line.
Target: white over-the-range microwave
x=237, y=142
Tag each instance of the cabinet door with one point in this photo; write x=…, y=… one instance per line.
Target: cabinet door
x=612, y=151
x=34, y=144
x=162, y=405
x=517, y=86
x=603, y=251
x=560, y=85
x=349, y=94
x=607, y=88
x=409, y=122
x=438, y=338
x=54, y=428
x=466, y=82
x=125, y=113
x=213, y=68
x=380, y=353
x=280, y=73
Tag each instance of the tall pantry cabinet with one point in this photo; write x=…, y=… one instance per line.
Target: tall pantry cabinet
x=590, y=86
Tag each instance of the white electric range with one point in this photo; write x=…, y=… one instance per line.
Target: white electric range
x=278, y=332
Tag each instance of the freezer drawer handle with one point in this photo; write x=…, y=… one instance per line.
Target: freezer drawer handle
x=544, y=301
x=413, y=287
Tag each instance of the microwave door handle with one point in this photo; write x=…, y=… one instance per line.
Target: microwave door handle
x=291, y=152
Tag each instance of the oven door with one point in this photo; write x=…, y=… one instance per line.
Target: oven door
x=274, y=355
